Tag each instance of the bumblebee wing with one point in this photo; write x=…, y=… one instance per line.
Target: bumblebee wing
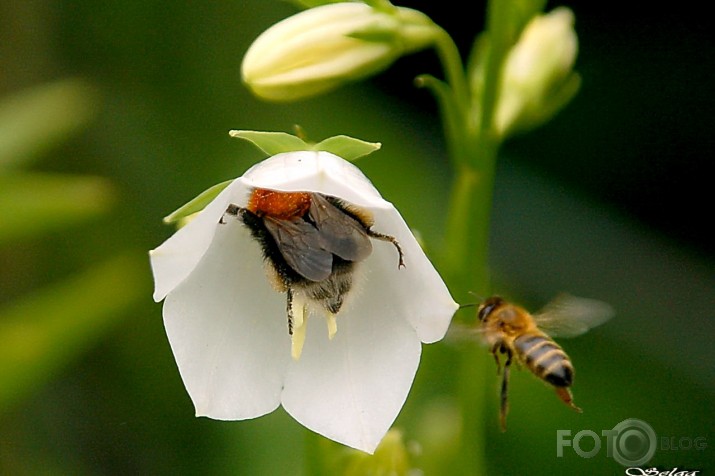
x=341, y=234
x=301, y=245
x=570, y=316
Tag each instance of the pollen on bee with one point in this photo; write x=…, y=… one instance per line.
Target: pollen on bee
x=281, y=205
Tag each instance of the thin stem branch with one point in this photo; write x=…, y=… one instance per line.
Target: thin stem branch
x=452, y=65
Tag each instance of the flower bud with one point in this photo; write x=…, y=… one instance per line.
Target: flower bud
x=319, y=49
x=537, y=78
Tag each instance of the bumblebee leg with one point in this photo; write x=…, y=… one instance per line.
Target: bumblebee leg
x=232, y=209
x=504, y=393
x=391, y=239
x=289, y=309
x=565, y=395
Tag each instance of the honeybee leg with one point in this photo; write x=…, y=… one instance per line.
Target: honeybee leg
x=232, y=209
x=565, y=395
x=495, y=348
x=504, y=393
x=391, y=239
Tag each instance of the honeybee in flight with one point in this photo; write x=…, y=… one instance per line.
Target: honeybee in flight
x=510, y=330
x=311, y=243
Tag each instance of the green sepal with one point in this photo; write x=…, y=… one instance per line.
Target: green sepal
x=386, y=32
x=548, y=108
x=306, y=4
x=380, y=5
x=272, y=143
x=197, y=204
x=347, y=147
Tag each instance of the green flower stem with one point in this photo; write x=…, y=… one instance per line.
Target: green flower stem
x=468, y=275
x=453, y=96
x=466, y=258
x=467, y=234
x=498, y=29
x=451, y=60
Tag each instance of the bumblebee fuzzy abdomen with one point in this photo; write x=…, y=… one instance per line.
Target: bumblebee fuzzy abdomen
x=545, y=359
x=270, y=249
x=329, y=292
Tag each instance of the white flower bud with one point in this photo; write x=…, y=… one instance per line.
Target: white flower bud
x=319, y=49
x=536, y=68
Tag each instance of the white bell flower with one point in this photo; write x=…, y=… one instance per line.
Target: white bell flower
x=226, y=322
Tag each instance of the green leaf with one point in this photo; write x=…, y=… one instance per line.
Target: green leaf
x=45, y=331
x=197, y=204
x=35, y=120
x=272, y=143
x=34, y=203
x=346, y=147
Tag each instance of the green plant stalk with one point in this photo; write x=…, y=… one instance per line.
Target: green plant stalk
x=466, y=257
x=467, y=275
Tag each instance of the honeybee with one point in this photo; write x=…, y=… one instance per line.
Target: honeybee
x=510, y=330
x=311, y=243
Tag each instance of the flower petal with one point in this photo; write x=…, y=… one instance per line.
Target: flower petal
x=416, y=291
x=175, y=259
x=227, y=329
x=351, y=388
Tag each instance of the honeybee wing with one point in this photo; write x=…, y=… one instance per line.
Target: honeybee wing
x=341, y=234
x=460, y=333
x=570, y=316
x=301, y=245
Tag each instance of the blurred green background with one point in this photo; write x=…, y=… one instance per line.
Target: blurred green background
x=114, y=113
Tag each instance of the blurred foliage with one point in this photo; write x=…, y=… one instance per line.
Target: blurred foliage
x=43, y=332
x=35, y=120
x=592, y=204
x=36, y=203
x=48, y=328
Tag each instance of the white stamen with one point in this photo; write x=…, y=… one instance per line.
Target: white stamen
x=332, y=325
x=300, y=323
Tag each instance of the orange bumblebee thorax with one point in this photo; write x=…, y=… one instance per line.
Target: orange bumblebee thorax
x=281, y=205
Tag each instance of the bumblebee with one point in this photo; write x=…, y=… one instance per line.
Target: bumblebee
x=311, y=243
x=512, y=331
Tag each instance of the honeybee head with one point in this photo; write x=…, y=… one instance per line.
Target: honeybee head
x=486, y=307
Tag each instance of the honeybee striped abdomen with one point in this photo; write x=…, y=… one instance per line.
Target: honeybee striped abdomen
x=545, y=358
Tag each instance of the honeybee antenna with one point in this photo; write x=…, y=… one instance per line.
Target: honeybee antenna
x=472, y=304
